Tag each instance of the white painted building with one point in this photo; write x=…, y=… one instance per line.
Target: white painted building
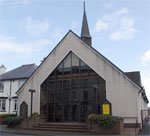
x=72, y=61
x=10, y=82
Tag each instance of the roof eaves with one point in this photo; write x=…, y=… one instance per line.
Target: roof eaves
x=7, y=79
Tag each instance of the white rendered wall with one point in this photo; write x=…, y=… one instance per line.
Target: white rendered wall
x=120, y=91
x=10, y=89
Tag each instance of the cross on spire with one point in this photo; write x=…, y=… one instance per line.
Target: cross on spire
x=84, y=5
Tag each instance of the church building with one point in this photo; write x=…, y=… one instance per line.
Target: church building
x=75, y=80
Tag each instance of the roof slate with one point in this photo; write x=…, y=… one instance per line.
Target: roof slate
x=21, y=72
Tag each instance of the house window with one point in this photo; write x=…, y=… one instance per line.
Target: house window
x=2, y=104
x=1, y=86
x=20, y=83
x=15, y=105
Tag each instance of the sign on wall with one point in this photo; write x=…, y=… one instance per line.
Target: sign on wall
x=106, y=109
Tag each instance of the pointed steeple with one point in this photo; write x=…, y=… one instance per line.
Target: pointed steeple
x=85, y=34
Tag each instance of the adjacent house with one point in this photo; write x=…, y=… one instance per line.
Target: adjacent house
x=10, y=82
x=75, y=80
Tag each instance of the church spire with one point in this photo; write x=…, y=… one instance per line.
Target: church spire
x=85, y=34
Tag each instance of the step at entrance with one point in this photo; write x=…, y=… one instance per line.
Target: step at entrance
x=62, y=126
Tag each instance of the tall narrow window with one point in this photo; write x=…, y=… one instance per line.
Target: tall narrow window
x=15, y=105
x=2, y=105
x=1, y=86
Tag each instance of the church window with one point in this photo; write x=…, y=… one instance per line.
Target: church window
x=71, y=90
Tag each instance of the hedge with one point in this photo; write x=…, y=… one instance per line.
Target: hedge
x=106, y=121
x=12, y=121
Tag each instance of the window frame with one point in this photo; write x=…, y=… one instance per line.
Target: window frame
x=1, y=86
x=21, y=82
x=2, y=103
x=15, y=104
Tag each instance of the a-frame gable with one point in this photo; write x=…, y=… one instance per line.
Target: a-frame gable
x=45, y=59
x=71, y=42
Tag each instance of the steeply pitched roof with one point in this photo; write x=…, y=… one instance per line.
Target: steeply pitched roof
x=135, y=77
x=21, y=72
x=91, y=48
x=85, y=29
x=108, y=61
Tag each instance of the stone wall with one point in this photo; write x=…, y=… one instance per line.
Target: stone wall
x=117, y=129
x=29, y=123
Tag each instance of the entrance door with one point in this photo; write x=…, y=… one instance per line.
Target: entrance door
x=24, y=110
x=50, y=112
x=75, y=113
x=67, y=114
x=84, y=112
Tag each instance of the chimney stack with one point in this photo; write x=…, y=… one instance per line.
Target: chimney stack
x=2, y=69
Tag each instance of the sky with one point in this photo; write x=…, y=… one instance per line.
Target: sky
x=120, y=30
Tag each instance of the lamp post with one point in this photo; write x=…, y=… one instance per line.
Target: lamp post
x=32, y=91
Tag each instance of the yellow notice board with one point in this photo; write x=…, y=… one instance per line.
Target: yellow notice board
x=106, y=109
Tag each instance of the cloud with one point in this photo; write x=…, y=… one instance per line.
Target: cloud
x=6, y=38
x=122, y=11
x=126, y=30
x=15, y=3
x=36, y=27
x=100, y=25
x=24, y=49
x=146, y=57
x=116, y=15
x=118, y=24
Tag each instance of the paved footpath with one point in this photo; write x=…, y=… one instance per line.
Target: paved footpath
x=146, y=129
x=4, y=131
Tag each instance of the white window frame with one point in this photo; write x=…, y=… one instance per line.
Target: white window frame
x=2, y=105
x=1, y=86
x=20, y=83
x=15, y=100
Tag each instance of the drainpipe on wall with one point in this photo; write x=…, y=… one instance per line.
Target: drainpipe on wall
x=10, y=95
x=141, y=114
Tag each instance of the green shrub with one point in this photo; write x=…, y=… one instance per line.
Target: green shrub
x=12, y=121
x=35, y=115
x=106, y=121
x=92, y=117
x=10, y=115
